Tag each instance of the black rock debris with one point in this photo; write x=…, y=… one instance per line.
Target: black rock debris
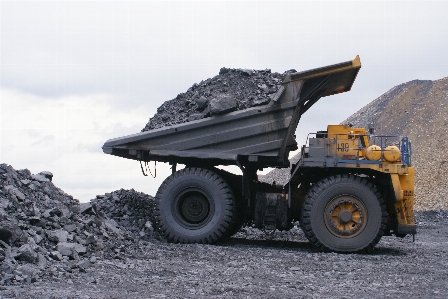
x=231, y=90
x=46, y=232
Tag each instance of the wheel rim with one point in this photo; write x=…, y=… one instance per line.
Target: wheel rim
x=193, y=207
x=345, y=216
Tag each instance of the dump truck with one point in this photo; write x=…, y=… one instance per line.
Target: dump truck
x=348, y=189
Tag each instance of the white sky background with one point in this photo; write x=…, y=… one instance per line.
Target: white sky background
x=74, y=74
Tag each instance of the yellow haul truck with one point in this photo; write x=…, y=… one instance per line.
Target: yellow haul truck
x=352, y=187
x=349, y=188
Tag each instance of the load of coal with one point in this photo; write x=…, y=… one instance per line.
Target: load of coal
x=231, y=90
x=44, y=232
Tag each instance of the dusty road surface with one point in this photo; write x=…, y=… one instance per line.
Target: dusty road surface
x=254, y=265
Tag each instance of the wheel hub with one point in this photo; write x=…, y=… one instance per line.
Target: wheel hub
x=345, y=216
x=194, y=208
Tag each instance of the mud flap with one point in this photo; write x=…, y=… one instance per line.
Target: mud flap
x=407, y=229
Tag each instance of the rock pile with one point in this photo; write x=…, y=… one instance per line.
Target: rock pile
x=45, y=232
x=418, y=109
x=231, y=90
x=132, y=210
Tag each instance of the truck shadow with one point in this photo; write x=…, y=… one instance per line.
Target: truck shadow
x=301, y=246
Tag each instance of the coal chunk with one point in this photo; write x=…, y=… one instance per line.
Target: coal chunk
x=5, y=234
x=221, y=105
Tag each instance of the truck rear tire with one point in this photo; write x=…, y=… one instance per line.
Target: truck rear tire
x=344, y=214
x=194, y=205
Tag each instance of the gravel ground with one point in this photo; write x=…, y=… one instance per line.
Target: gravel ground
x=255, y=265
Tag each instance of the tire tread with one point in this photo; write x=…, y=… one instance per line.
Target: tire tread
x=227, y=199
x=318, y=188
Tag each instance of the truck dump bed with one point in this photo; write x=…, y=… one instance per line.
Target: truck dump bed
x=263, y=135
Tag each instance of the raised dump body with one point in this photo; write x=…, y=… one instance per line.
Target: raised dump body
x=263, y=135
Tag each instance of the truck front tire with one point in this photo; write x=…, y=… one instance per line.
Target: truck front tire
x=343, y=214
x=194, y=205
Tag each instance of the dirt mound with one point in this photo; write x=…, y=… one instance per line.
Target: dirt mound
x=418, y=109
x=231, y=90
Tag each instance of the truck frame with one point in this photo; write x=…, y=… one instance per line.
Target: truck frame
x=348, y=189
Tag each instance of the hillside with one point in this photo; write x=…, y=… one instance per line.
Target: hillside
x=418, y=109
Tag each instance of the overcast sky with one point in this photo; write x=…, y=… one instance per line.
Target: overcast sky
x=74, y=74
